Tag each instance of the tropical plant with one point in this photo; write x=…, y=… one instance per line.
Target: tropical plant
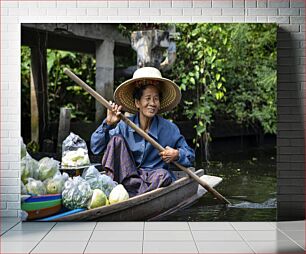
x=198, y=70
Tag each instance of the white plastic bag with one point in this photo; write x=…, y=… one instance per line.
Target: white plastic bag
x=23, y=149
x=98, y=181
x=55, y=185
x=23, y=189
x=74, y=151
x=29, y=168
x=118, y=194
x=48, y=167
x=35, y=187
x=76, y=193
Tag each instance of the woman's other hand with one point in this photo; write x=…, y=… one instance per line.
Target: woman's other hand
x=113, y=116
x=169, y=154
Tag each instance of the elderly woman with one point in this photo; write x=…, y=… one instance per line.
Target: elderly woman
x=128, y=157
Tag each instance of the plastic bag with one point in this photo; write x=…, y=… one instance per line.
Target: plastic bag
x=23, y=189
x=98, y=181
x=23, y=215
x=23, y=149
x=118, y=194
x=55, y=185
x=98, y=199
x=48, y=167
x=35, y=187
x=74, y=151
x=76, y=193
x=29, y=168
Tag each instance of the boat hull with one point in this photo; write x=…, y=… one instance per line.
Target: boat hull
x=143, y=207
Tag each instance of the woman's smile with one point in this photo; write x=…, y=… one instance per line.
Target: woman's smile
x=149, y=102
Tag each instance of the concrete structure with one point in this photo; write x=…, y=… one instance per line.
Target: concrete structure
x=96, y=39
x=289, y=14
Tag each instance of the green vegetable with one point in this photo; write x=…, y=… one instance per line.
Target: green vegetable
x=76, y=193
x=98, y=199
x=55, y=185
x=23, y=149
x=35, y=187
x=48, y=167
x=98, y=181
x=118, y=194
x=78, y=157
x=23, y=189
x=29, y=168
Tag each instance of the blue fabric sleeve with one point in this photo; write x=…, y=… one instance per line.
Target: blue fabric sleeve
x=186, y=153
x=101, y=136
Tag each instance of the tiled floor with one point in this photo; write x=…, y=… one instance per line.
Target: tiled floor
x=152, y=237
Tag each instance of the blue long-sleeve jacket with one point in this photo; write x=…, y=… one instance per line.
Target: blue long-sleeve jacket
x=145, y=155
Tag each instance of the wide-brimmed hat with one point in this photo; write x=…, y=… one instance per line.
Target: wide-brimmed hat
x=171, y=94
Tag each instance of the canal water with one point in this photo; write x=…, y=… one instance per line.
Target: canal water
x=249, y=183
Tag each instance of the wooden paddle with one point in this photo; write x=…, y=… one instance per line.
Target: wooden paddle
x=142, y=133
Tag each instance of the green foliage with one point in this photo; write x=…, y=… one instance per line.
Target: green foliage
x=227, y=70
x=25, y=81
x=251, y=76
x=198, y=70
x=62, y=91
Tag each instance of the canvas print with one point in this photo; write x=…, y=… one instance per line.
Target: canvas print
x=148, y=122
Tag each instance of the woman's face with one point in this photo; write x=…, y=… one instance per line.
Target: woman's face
x=149, y=103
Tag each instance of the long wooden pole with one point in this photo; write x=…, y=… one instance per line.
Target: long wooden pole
x=142, y=133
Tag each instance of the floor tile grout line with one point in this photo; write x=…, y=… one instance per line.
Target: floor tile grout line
x=258, y=229
x=42, y=238
x=291, y=239
x=195, y=243
x=10, y=228
x=232, y=225
x=93, y=230
x=274, y=225
x=143, y=232
x=244, y=240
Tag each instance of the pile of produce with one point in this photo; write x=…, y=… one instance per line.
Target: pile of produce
x=98, y=181
x=91, y=190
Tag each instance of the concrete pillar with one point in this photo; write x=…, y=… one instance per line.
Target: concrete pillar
x=104, y=74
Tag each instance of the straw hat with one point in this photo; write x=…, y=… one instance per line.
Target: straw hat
x=171, y=94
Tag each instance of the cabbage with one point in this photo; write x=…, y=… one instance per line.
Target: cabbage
x=35, y=187
x=98, y=181
x=76, y=193
x=29, y=168
x=48, y=167
x=98, y=199
x=23, y=149
x=74, y=158
x=55, y=185
x=107, y=184
x=23, y=189
x=118, y=194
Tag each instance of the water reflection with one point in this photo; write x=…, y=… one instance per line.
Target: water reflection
x=249, y=183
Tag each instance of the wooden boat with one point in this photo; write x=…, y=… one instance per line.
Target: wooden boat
x=148, y=206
